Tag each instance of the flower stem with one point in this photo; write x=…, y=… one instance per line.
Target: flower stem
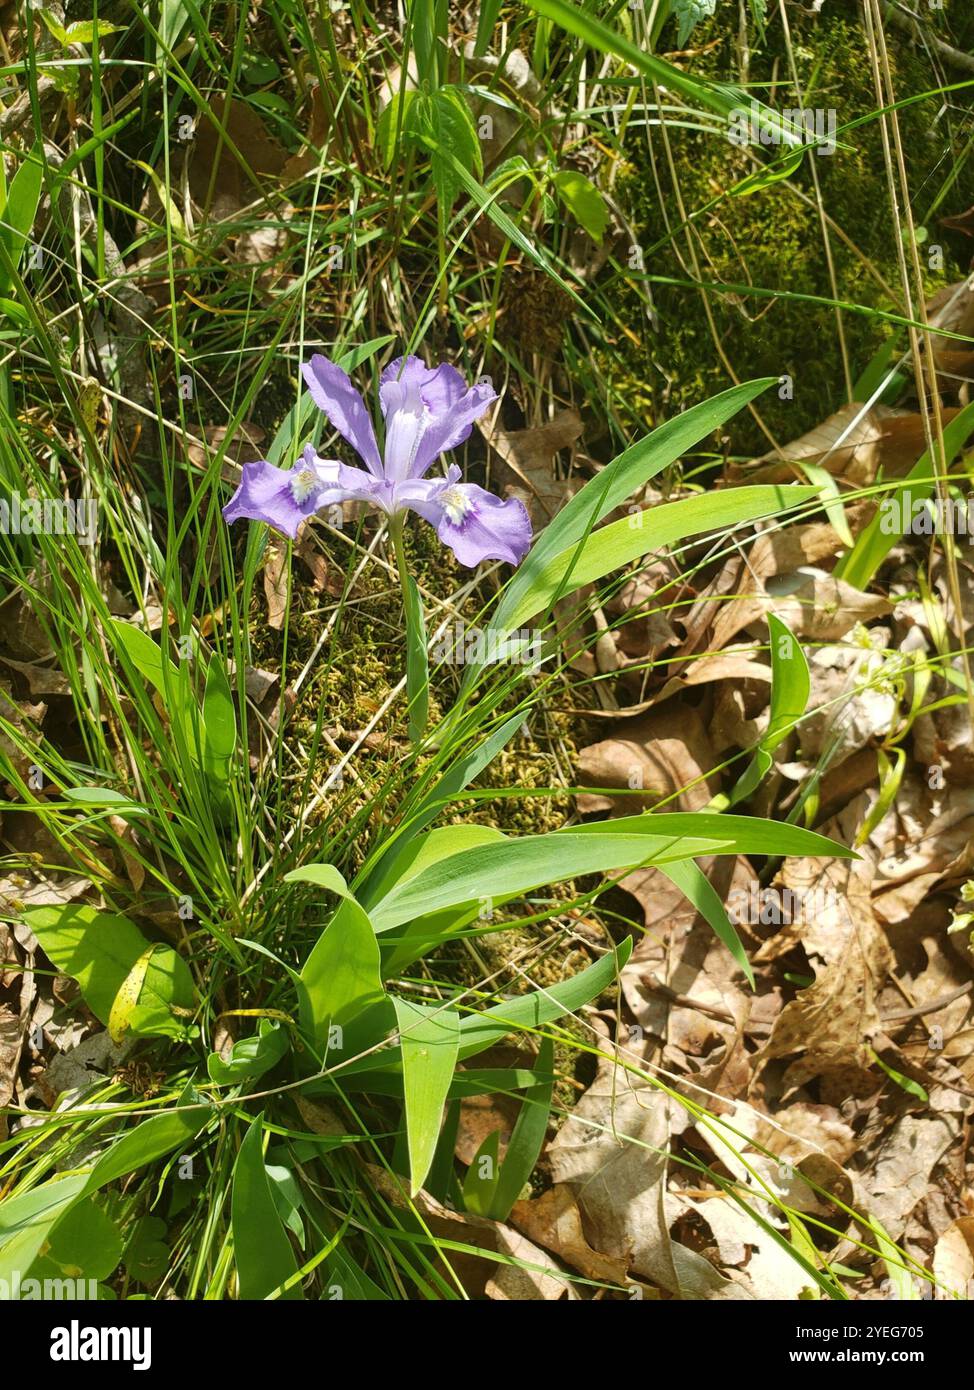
x=396, y=526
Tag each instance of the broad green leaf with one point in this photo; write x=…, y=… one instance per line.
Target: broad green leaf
x=624, y=476
x=480, y=1183
x=421, y=852
x=324, y=875
x=740, y=834
x=519, y=864
x=25, y=1209
x=152, y=1139
x=444, y=117
x=831, y=498
x=523, y=863
x=127, y=999
x=486, y=21
x=689, y=13
x=81, y=31
x=354, y=1283
x=146, y=656
x=21, y=208
x=100, y=951
x=584, y=201
x=394, y=120
x=28, y=1219
x=790, y=683
x=340, y=978
x=219, y=720
x=642, y=533
x=531, y=1011
x=261, y=1251
x=429, y=1038
x=174, y=15
x=457, y=776
x=363, y=352
x=482, y=1029
x=527, y=1140
x=146, y=1252
x=105, y=796
x=790, y=686
x=250, y=1058
x=417, y=938
x=86, y=1240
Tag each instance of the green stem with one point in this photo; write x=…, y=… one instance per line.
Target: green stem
x=396, y=526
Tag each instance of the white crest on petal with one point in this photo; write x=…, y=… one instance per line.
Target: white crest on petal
x=304, y=483
x=455, y=503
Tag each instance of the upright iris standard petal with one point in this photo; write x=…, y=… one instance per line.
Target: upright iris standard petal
x=453, y=427
x=427, y=411
x=284, y=497
x=332, y=391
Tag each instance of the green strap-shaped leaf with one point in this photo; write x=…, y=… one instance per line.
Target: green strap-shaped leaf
x=885, y=530
x=530, y=861
x=480, y=1183
x=429, y=1039
x=261, y=1249
x=340, y=978
x=624, y=476
x=21, y=208
x=790, y=686
x=695, y=886
x=621, y=542
x=527, y=1139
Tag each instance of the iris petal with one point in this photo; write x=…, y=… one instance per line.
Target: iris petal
x=332, y=391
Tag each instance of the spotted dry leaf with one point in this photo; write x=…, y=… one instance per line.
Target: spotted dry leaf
x=827, y=1028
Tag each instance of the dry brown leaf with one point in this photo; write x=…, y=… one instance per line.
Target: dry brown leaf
x=664, y=753
x=828, y=1027
x=612, y=1151
x=22, y=715
x=246, y=446
x=478, y=1276
x=11, y=1040
x=952, y=308
x=218, y=179
x=853, y=444
x=953, y=1258
x=748, y=1253
x=849, y=705
x=554, y=1221
x=900, y=1175
x=528, y=464
x=276, y=582
x=809, y=601
x=41, y=680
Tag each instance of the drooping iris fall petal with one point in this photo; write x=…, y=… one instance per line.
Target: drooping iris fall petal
x=284, y=497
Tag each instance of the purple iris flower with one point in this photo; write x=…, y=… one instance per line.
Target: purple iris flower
x=427, y=411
